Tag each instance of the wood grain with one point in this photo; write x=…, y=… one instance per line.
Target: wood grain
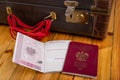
x=115, y=70
x=108, y=56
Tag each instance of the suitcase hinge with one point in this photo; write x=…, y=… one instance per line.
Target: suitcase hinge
x=93, y=8
x=99, y=11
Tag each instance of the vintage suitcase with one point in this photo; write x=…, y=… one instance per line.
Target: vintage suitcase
x=81, y=17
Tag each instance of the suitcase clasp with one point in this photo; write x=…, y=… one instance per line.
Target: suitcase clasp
x=70, y=7
x=73, y=15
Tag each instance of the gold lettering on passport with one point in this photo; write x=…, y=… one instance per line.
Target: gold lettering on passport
x=81, y=58
x=83, y=48
x=80, y=65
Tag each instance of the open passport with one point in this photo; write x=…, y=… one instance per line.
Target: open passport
x=43, y=57
x=56, y=56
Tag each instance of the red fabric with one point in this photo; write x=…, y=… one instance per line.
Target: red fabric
x=38, y=31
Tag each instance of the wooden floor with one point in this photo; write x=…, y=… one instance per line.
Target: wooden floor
x=108, y=63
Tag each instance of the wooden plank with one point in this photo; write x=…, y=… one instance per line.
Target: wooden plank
x=55, y=76
x=52, y=76
x=2, y=28
x=115, y=74
x=108, y=60
x=6, y=65
x=23, y=73
x=82, y=40
x=66, y=77
x=105, y=52
x=104, y=55
x=39, y=75
x=82, y=78
x=5, y=39
x=59, y=76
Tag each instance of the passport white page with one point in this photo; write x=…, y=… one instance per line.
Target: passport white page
x=43, y=57
x=55, y=53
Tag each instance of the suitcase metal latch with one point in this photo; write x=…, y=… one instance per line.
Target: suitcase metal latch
x=73, y=15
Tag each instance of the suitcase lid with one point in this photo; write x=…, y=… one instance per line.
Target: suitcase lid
x=84, y=4
x=97, y=5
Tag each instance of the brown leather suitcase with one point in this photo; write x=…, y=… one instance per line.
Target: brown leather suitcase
x=81, y=17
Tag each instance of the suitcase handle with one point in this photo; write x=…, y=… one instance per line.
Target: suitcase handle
x=52, y=14
x=37, y=31
x=9, y=10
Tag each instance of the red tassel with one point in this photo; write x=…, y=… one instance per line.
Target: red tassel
x=38, y=31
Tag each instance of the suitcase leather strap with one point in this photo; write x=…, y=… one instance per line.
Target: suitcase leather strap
x=38, y=31
x=103, y=4
x=100, y=23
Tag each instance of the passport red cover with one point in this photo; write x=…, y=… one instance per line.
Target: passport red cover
x=81, y=59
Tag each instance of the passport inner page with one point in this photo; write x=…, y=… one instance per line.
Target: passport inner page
x=55, y=52
x=29, y=52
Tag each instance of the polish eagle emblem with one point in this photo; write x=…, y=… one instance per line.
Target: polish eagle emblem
x=82, y=56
